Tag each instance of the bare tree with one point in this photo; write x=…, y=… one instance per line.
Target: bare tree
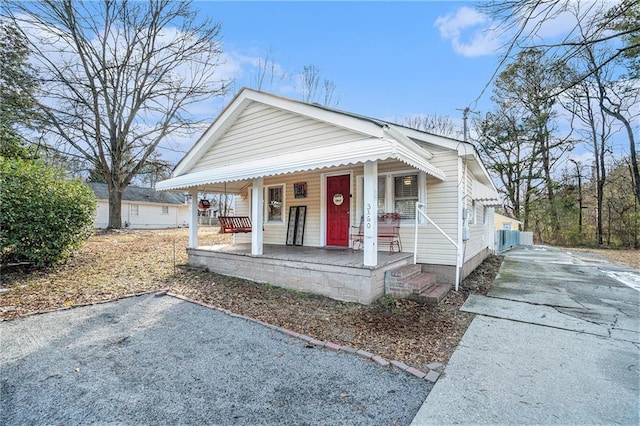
x=315, y=89
x=597, y=25
x=310, y=81
x=584, y=101
x=436, y=124
x=118, y=78
x=267, y=73
x=601, y=22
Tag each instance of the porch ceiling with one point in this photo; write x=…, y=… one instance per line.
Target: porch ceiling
x=354, y=152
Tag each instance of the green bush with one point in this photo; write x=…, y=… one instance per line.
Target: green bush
x=44, y=217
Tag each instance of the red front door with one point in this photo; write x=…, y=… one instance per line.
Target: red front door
x=338, y=203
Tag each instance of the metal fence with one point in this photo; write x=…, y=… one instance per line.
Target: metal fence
x=506, y=239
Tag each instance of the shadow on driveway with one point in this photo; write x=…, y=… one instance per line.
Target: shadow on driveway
x=160, y=360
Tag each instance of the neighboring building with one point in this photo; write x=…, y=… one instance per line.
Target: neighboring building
x=506, y=223
x=306, y=175
x=143, y=208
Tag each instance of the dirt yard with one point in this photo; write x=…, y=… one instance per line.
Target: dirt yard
x=622, y=257
x=115, y=264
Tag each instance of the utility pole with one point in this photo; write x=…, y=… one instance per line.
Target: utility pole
x=465, y=129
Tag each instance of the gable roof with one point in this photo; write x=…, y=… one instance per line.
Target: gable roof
x=138, y=194
x=372, y=140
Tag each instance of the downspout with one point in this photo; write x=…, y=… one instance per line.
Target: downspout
x=462, y=221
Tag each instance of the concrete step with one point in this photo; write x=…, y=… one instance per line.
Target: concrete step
x=434, y=294
x=404, y=272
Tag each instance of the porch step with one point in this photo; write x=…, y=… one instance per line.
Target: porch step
x=433, y=295
x=422, y=282
x=405, y=271
x=409, y=281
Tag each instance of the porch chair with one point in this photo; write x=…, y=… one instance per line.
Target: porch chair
x=388, y=232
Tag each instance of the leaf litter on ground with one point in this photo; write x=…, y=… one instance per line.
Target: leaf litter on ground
x=114, y=264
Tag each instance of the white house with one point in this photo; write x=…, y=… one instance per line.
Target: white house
x=142, y=208
x=319, y=185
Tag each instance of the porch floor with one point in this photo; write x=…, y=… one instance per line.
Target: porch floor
x=336, y=256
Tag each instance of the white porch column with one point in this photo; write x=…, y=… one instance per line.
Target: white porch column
x=257, y=216
x=193, y=219
x=370, y=196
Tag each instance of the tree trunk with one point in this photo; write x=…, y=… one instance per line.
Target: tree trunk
x=115, y=207
x=635, y=172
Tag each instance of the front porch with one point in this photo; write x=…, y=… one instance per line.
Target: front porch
x=339, y=273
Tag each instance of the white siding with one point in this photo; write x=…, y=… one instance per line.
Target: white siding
x=262, y=131
x=442, y=208
x=102, y=214
x=276, y=233
x=150, y=215
x=479, y=231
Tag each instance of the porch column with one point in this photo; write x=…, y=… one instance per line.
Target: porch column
x=193, y=219
x=370, y=196
x=257, y=216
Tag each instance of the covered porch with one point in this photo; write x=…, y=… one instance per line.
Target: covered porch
x=304, y=175
x=339, y=273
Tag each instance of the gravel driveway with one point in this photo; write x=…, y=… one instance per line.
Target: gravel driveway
x=161, y=360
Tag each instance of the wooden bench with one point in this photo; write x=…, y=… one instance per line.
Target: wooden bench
x=234, y=224
x=388, y=232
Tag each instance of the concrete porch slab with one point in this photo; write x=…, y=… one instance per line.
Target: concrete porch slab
x=336, y=273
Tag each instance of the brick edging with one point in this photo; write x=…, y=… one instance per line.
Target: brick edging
x=431, y=375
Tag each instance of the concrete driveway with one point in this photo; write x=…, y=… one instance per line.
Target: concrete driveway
x=161, y=360
x=556, y=341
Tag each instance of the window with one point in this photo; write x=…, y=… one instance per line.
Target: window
x=396, y=194
x=381, y=194
x=165, y=210
x=474, y=212
x=275, y=203
x=485, y=215
x=405, y=195
x=135, y=210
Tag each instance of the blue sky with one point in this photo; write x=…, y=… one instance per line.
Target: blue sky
x=387, y=59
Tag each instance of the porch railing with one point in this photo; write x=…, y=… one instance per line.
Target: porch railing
x=420, y=212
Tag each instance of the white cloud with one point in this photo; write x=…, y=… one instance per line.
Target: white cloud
x=469, y=31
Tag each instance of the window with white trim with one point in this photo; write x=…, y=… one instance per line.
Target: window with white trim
x=398, y=196
x=165, y=210
x=275, y=203
x=405, y=195
x=134, y=209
